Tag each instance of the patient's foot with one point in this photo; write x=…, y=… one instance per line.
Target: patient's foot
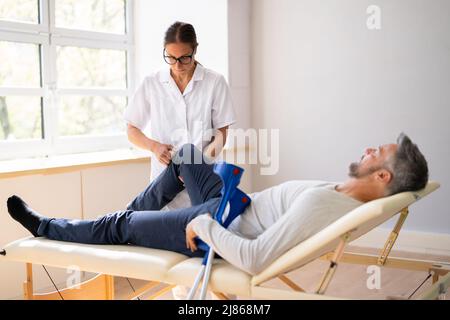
x=20, y=212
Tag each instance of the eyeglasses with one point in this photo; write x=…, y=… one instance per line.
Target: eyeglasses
x=183, y=60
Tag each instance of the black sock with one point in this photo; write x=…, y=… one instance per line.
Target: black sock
x=20, y=212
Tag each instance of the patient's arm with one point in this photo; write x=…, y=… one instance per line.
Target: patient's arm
x=254, y=255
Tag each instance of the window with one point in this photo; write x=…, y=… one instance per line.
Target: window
x=20, y=11
x=100, y=16
x=65, y=75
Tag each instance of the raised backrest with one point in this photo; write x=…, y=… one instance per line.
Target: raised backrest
x=358, y=222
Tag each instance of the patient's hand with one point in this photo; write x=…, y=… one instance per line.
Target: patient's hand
x=190, y=237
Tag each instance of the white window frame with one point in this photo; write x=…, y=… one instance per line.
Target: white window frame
x=42, y=26
x=49, y=37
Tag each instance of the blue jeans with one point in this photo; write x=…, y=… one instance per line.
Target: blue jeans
x=142, y=224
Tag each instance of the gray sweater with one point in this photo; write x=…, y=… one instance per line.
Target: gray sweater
x=278, y=219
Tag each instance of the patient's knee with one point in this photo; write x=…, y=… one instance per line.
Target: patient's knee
x=132, y=206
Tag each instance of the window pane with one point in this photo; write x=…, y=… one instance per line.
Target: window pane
x=20, y=10
x=85, y=67
x=21, y=118
x=91, y=15
x=20, y=65
x=91, y=115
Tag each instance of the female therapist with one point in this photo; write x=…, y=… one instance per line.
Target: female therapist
x=183, y=103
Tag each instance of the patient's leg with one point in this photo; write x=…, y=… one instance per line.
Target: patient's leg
x=153, y=229
x=199, y=178
x=159, y=192
x=167, y=230
x=202, y=184
x=105, y=230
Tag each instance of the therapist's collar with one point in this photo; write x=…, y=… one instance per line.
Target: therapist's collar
x=199, y=74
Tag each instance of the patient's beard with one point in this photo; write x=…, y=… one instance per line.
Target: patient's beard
x=353, y=170
x=356, y=172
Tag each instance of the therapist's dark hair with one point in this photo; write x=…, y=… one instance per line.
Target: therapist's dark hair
x=181, y=32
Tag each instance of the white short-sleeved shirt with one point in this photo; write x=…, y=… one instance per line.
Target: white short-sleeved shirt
x=168, y=116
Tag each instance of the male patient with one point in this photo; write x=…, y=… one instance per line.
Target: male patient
x=277, y=219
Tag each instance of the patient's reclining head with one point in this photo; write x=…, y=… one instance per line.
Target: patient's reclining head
x=409, y=166
x=396, y=167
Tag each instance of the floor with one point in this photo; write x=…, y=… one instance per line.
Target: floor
x=394, y=284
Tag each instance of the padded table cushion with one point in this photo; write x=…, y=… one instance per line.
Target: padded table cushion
x=127, y=261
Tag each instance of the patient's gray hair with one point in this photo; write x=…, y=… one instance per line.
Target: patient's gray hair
x=409, y=167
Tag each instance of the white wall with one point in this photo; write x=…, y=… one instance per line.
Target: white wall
x=333, y=88
x=239, y=46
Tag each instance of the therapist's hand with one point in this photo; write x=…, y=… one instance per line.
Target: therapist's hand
x=163, y=153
